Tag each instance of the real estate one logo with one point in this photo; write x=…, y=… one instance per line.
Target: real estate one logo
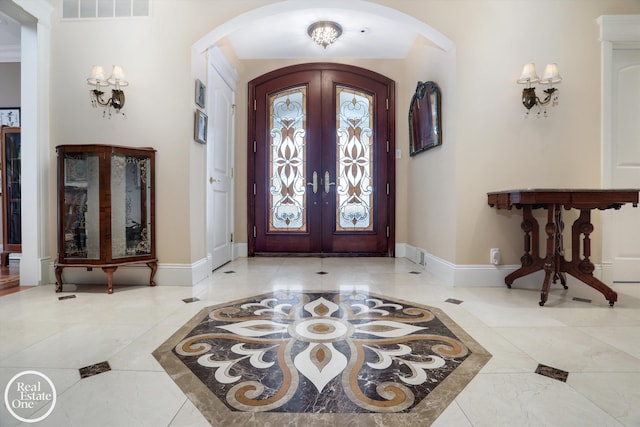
x=28, y=394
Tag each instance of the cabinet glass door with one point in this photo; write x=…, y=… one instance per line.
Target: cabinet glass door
x=130, y=206
x=13, y=188
x=81, y=218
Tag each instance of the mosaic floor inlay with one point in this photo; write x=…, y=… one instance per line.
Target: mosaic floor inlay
x=321, y=353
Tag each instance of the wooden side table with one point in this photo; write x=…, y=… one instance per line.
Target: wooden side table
x=554, y=262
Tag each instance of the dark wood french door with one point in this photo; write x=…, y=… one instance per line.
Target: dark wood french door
x=321, y=161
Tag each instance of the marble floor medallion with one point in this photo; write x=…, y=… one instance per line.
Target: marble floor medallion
x=361, y=355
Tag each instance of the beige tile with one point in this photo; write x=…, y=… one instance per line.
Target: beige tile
x=528, y=400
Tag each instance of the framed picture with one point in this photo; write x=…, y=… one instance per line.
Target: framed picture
x=200, y=127
x=200, y=93
x=10, y=116
x=425, y=129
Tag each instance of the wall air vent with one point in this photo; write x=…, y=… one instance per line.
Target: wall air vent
x=91, y=9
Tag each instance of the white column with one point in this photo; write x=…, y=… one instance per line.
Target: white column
x=35, y=146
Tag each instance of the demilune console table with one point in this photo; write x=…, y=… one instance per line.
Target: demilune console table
x=554, y=263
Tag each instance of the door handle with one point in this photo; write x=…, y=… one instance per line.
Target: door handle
x=211, y=180
x=327, y=182
x=314, y=184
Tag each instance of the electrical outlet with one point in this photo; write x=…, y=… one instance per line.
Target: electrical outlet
x=495, y=257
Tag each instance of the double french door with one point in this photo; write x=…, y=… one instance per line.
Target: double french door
x=321, y=161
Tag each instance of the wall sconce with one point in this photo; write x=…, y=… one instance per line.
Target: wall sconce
x=529, y=97
x=98, y=80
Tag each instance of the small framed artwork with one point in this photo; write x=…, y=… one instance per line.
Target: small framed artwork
x=200, y=127
x=425, y=129
x=10, y=116
x=200, y=93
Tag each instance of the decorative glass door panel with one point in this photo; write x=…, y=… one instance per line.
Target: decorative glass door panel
x=354, y=193
x=130, y=207
x=287, y=159
x=80, y=223
x=11, y=192
x=322, y=150
x=13, y=188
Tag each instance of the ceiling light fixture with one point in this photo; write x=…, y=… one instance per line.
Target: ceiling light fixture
x=324, y=33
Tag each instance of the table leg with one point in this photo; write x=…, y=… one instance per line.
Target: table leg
x=559, y=252
x=582, y=269
x=551, y=253
x=531, y=260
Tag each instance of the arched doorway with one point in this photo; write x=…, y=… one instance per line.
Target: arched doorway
x=321, y=161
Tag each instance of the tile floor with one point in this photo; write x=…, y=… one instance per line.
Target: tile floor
x=597, y=345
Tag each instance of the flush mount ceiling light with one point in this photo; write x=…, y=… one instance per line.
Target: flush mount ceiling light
x=324, y=33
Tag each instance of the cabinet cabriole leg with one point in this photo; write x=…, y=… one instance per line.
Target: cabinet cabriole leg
x=109, y=271
x=154, y=267
x=58, y=271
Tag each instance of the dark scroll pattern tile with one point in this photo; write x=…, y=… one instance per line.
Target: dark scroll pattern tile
x=91, y=370
x=556, y=374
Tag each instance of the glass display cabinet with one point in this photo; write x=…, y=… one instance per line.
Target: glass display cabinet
x=106, y=209
x=11, y=193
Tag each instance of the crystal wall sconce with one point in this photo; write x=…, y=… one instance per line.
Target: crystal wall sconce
x=98, y=80
x=529, y=97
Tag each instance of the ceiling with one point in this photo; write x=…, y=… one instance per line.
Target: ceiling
x=281, y=32
x=284, y=35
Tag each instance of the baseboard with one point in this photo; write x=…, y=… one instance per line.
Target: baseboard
x=477, y=275
x=137, y=274
x=401, y=250
x=190, y=274
x=240, y=250
x=607, y=272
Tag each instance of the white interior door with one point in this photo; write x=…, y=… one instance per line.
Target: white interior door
x=624, y=225
x=221, y=100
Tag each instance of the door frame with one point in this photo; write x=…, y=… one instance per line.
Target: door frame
x=252, y=137
x=616, y=32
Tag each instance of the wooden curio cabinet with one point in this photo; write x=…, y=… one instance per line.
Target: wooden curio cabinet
x=11, y=193
x=106, y=209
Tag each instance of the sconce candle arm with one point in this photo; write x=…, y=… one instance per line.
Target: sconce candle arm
x=530, y=99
